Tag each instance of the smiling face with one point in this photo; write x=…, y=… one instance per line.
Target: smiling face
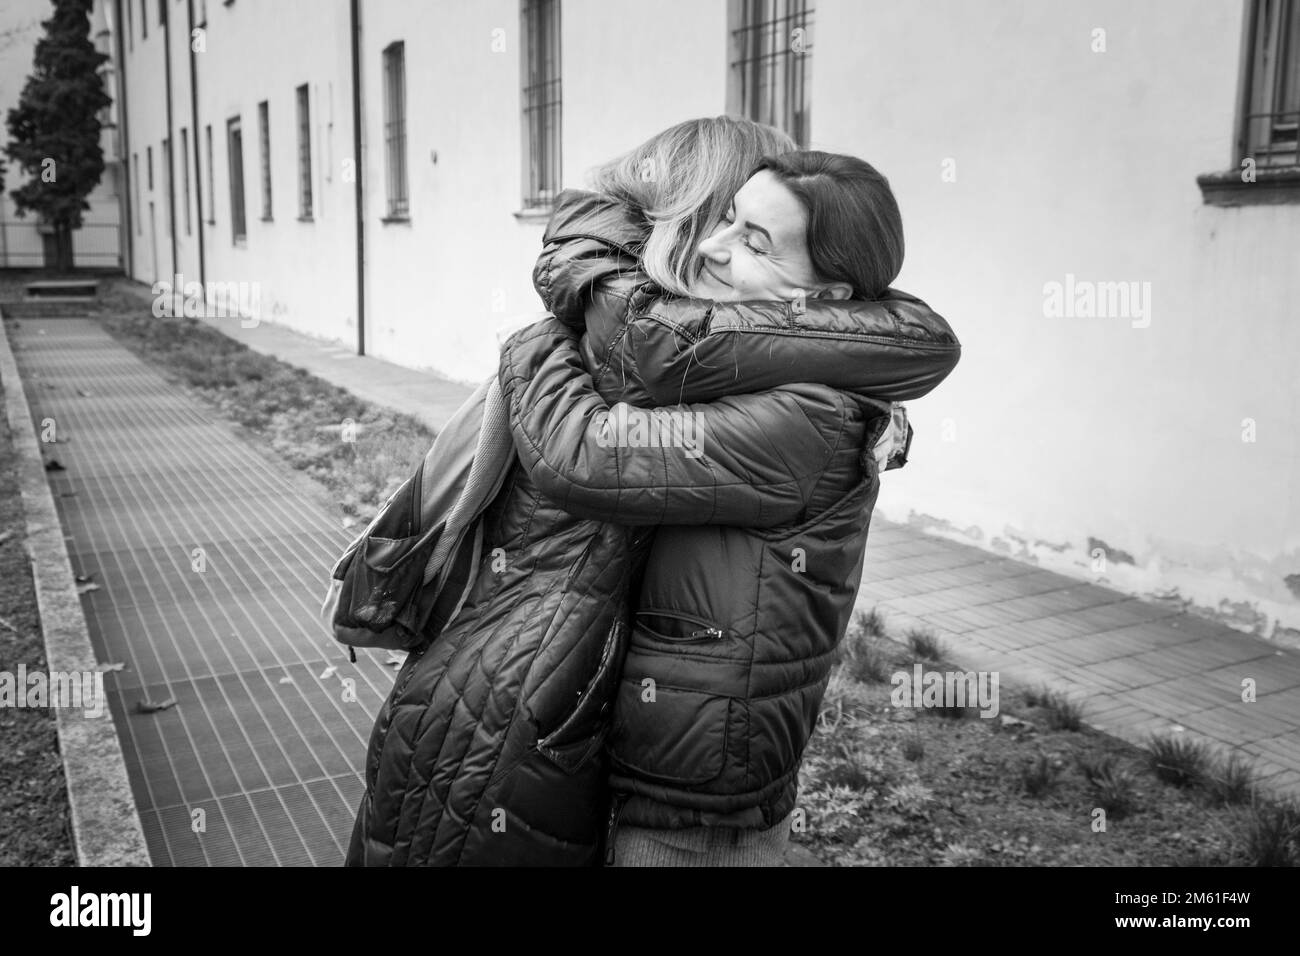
x=760, y=249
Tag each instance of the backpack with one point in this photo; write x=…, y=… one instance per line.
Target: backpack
x=405, y=577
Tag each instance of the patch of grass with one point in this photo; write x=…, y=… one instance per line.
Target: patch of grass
x=1062, y=712
x=1272, y=835
x=35, y=820
x=1038, y=776
x=1230, y=780
x=1178, y=759
x=924, y=645
x=913, y=747
x=870, y=623
x=1114, y=786
x=864, y=658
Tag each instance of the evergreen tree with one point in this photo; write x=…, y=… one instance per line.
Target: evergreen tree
x=54, y=130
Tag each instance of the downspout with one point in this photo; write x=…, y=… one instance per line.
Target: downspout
x=125, y=199
x=194, y=130
x=359, y=189
x=171, y=139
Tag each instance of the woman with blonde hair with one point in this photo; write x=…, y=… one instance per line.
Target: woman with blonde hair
x=491, y=747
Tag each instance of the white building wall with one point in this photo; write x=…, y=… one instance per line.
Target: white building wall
x=1054, y=431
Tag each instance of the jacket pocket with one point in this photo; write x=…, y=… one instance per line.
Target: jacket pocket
x=674, y=627
x=670, y=734
x=582, y=733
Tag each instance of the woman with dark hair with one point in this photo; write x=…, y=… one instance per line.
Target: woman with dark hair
x=736, y=618
x=489, y=750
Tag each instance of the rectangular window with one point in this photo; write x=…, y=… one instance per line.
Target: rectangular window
x=167, y=182
x=235, y=159
x=212, y=191
x=139, y=213
x=1271, y=85
x=148, y=151
x=304, y=154
x=770, y=63
x=264, y=154
x=395, y=129
x=185, y=175
x=144, y=18
x=541, y=102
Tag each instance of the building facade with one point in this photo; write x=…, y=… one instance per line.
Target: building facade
x=1101, y=197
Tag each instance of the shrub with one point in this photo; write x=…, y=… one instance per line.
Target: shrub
x=1178, y=759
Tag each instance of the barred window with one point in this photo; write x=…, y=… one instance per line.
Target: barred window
x=167, y=182
x=771, y=48
x=139, y=217
x=264, y=152
x=185, y=174
x=235, y=148
x=395, y=129
x=212, y=189
x=304, y=154
x=1271, y=87
x=541, y=102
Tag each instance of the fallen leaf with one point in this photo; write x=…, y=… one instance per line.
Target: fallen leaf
x=115, y=666
x=149, y=707
x=286, y=679
x=328, y=672
x=53, y=465
x=87, y=588
x=84, y=578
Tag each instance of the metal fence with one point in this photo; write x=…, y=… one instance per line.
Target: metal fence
x=95, y=244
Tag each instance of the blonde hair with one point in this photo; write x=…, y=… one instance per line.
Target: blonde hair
x=683, y=181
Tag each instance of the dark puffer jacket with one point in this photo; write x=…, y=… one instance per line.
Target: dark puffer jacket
x=735, y=627
x=489, y=748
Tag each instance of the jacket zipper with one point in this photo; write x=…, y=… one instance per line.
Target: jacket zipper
x=708, y=632
x=615, y=808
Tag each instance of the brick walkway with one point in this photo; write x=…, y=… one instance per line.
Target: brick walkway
x=1136, y=666
x=262, y=739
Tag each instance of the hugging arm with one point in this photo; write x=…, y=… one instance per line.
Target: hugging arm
x=748, y=460
x=893, y=349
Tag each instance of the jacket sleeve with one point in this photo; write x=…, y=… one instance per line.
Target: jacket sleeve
x=895, y=348
x=747, y=460
x=590, y=239
x=892, y=349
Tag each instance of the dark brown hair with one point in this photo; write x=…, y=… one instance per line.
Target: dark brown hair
x=855, y=231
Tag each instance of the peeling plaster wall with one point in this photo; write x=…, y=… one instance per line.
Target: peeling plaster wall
x=1057, y=430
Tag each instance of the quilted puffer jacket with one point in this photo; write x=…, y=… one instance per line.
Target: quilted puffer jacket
x=738, y=613
x=489, y=749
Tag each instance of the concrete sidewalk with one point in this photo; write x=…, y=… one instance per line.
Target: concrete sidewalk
x=1138, y=667
x=210, y=560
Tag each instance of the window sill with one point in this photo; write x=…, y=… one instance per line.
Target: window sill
x=396, y=220
x=1272, y=186
x=306, y=219
x=535, y=214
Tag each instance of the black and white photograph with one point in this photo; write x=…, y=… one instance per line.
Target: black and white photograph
x=822, y=434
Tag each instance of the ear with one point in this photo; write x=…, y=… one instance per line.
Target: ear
x=836, y=290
